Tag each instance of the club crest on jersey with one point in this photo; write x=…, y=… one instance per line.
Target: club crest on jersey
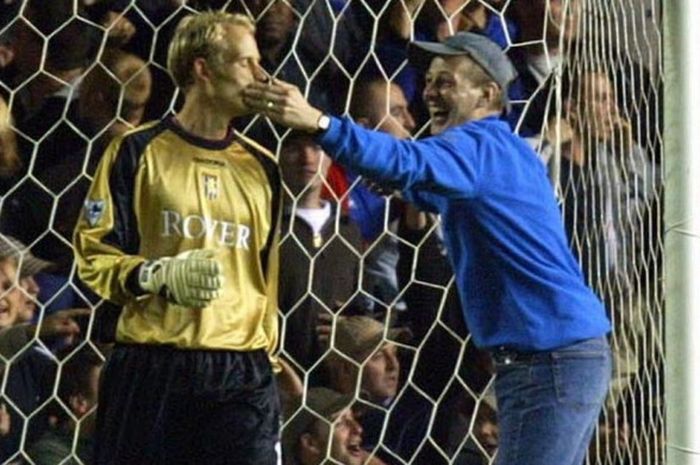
x=211, y=186
x=94, y=209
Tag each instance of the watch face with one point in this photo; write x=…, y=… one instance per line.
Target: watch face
x=324, y=122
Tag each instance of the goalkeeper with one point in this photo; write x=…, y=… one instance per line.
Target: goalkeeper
x=180, y=227
x=522, y=291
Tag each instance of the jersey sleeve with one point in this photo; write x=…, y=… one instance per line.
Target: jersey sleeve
x=106, y=238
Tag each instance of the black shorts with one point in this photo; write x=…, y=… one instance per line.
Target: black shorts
x=161, y=405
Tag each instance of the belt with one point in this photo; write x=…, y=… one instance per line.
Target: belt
x=506, y=356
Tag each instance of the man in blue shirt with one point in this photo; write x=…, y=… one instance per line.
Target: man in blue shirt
x=523, y=292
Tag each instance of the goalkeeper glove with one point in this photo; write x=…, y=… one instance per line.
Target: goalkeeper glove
x=191, y=279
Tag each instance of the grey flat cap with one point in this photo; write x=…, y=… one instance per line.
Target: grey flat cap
x=28, y=263
x=321, y=403
x=479, y=48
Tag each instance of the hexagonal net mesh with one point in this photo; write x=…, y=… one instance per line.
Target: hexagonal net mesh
x=367, y=297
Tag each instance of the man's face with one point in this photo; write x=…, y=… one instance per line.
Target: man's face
x=137, y=91
x=596, y=108
x=558, y=20
x=450, y=96
x=486, y=433
x=243, y=68
x=380, y=375
x=392, y=117
x=12, y=299
x=347, y=439
x=303, y=163
x=31, y=293
x=276, y=23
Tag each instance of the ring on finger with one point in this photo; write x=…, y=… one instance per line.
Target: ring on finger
x=270, y=105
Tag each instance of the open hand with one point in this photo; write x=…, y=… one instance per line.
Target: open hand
x=283, y=103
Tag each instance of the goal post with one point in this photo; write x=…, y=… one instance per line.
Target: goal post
x=682, y=235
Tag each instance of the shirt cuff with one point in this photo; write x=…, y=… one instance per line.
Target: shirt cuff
x=328, y=139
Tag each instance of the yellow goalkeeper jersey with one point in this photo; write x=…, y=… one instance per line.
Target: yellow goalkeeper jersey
x=159, y=191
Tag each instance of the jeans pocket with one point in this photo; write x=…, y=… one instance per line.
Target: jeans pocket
x=581, y=377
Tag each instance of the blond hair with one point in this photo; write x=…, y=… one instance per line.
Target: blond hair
x=202, y=36
x=9, y=158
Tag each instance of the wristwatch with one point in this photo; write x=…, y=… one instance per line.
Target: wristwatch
x=323, y=123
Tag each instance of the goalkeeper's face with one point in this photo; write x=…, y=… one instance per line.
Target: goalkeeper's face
x=242, y=69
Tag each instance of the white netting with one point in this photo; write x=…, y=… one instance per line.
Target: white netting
x=588, y=98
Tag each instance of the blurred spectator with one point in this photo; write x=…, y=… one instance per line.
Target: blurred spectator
x=113, y=97
x=550, y=29
x=145, y=28
x=9, y=158
x=12, y=299
x=19, y=290
x=366, y=362
x=606, y=179
x=549, y=24
x=326, y=428
x=380, y=104
x=71, y=44
x=31, y=372
x=608, y=186
x=78, y=389
x=365, y=358
x=482, y=443
x=29, y=286
x=321, y=246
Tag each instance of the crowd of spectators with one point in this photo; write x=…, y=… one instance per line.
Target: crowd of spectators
x=377, y=363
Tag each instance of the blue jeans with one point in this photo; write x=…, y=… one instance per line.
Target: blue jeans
x=549, y=402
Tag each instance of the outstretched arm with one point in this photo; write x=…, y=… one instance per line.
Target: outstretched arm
x=447, y=165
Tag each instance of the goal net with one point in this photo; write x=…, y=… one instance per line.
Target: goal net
x=368, y=305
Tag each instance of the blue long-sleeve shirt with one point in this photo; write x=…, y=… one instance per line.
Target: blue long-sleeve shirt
x=519, y=283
